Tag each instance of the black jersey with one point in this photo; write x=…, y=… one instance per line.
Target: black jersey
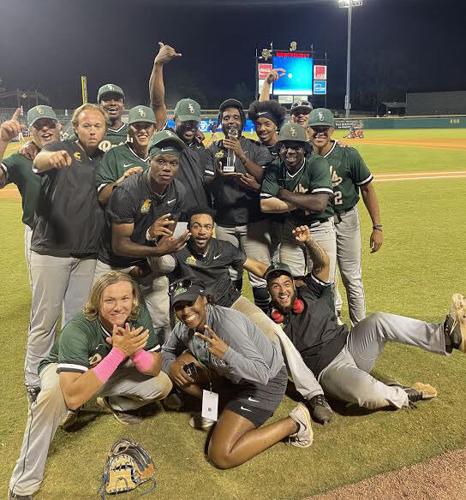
x=212, y=269
x=315, y=332
x=134, y=202
x=69, y=218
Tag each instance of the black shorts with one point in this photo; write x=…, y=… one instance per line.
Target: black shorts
x=256, y=402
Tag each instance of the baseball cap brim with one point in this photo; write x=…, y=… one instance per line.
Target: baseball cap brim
x=189, y=118
x=189, y=295
x=276, y=270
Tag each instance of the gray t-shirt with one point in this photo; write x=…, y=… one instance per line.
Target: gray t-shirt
x=251, y=356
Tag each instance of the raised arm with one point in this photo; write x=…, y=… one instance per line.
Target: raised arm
x=8, y=131
x=320, y=259
x=273, y=76
x=156, y=83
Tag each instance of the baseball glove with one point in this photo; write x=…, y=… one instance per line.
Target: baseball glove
x=128, y=465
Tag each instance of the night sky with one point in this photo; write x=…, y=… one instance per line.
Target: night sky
x=398, y=45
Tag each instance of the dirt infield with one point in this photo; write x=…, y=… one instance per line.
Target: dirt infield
x=10, y=192
x=429, y=144
x=442, y=477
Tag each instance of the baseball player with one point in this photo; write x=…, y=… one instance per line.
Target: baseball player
x=44, y=128
x=350, y=176
x=236, y=194
x=109, y=349
x=250, y=378
x=207, y=259
x=66, y=235
x=140, y=218
x=191, y=172
x=127, y=159
x=298, y=185
x=342, y=360
x=112, y=98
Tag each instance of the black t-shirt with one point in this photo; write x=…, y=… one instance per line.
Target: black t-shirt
x=193, y=162
x=69, y=218
x=236, y=205
x=212, y=269
x=134, y=202
x=315, y=332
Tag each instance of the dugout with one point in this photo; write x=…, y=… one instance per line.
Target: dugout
x=436, y=103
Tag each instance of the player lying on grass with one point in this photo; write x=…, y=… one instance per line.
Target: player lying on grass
x=342, y=360
x=225, y=352
x=111, y=350
x=208, y=260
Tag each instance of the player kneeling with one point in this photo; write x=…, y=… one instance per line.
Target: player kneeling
x=225, y=352
x=110, y=350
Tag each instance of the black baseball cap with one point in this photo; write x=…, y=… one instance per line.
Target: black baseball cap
x=276, y=269
x=185, y=291
x=301, y=107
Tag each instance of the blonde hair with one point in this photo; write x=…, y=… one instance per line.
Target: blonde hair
x=92, y=307
x=88, y=107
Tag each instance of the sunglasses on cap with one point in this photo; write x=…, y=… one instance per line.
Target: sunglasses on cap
x=295, y=146
x=176, y=285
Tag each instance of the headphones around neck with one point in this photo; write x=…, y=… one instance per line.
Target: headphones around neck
x=279, y=317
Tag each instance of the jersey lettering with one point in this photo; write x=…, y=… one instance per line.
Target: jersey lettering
x=336, y=179
x=338, y=198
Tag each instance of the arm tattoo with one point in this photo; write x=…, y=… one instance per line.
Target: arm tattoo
x=317, y=255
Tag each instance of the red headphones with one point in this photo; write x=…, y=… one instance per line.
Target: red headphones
x=298, y=308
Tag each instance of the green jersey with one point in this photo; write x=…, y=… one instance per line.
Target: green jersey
x=82, y=343
x=18, y=169
x=312, y=178
x=349, y=172
x=114, y=137
x=115, y=163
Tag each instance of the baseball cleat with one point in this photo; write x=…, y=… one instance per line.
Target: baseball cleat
x=304, y=436
x=69, y=420
x=32, y=393
x=455, y=324
x=418, y=392
x=320, y=409
x=14, y=496
x=124, y=417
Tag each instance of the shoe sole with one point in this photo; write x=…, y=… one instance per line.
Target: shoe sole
x=308, y=421
x=458, y=311
x=102, y=402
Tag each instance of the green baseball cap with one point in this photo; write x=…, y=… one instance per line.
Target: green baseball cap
x=165, y=141
x=39, y=112
x=321, y=117
x=141, y=114
x=109, y=88
x=187, y=110
x=292, y=132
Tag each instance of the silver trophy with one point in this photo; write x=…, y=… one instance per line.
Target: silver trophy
x=229, y=168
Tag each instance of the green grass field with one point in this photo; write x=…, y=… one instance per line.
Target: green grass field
x=420, y=265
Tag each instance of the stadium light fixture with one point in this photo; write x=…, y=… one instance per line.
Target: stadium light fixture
x=348, y=4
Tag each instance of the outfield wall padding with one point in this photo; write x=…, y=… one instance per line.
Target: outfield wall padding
x=406, y=122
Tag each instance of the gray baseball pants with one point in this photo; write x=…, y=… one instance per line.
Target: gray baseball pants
x=348, y=377
x=348, y=235
x=154, y=289
x=303, y=378
x=128, y=390
x=27, y=250
x=60, y=285
x=296, y=256
x=255, y=241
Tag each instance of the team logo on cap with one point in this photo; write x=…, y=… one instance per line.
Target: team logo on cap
x=77, y=156
x=110, y=87
x=146, y=206
x=40, y=110
x=142, y=113
x=293, y=132
x=321, y=116
x=191, y=108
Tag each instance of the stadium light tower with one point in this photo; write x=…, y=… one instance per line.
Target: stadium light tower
x=348, y=4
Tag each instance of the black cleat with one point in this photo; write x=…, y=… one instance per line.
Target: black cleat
x=14, y=496
x=320, y=410
x=419, y=392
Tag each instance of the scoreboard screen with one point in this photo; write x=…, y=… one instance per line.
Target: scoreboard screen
x=299, y=73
